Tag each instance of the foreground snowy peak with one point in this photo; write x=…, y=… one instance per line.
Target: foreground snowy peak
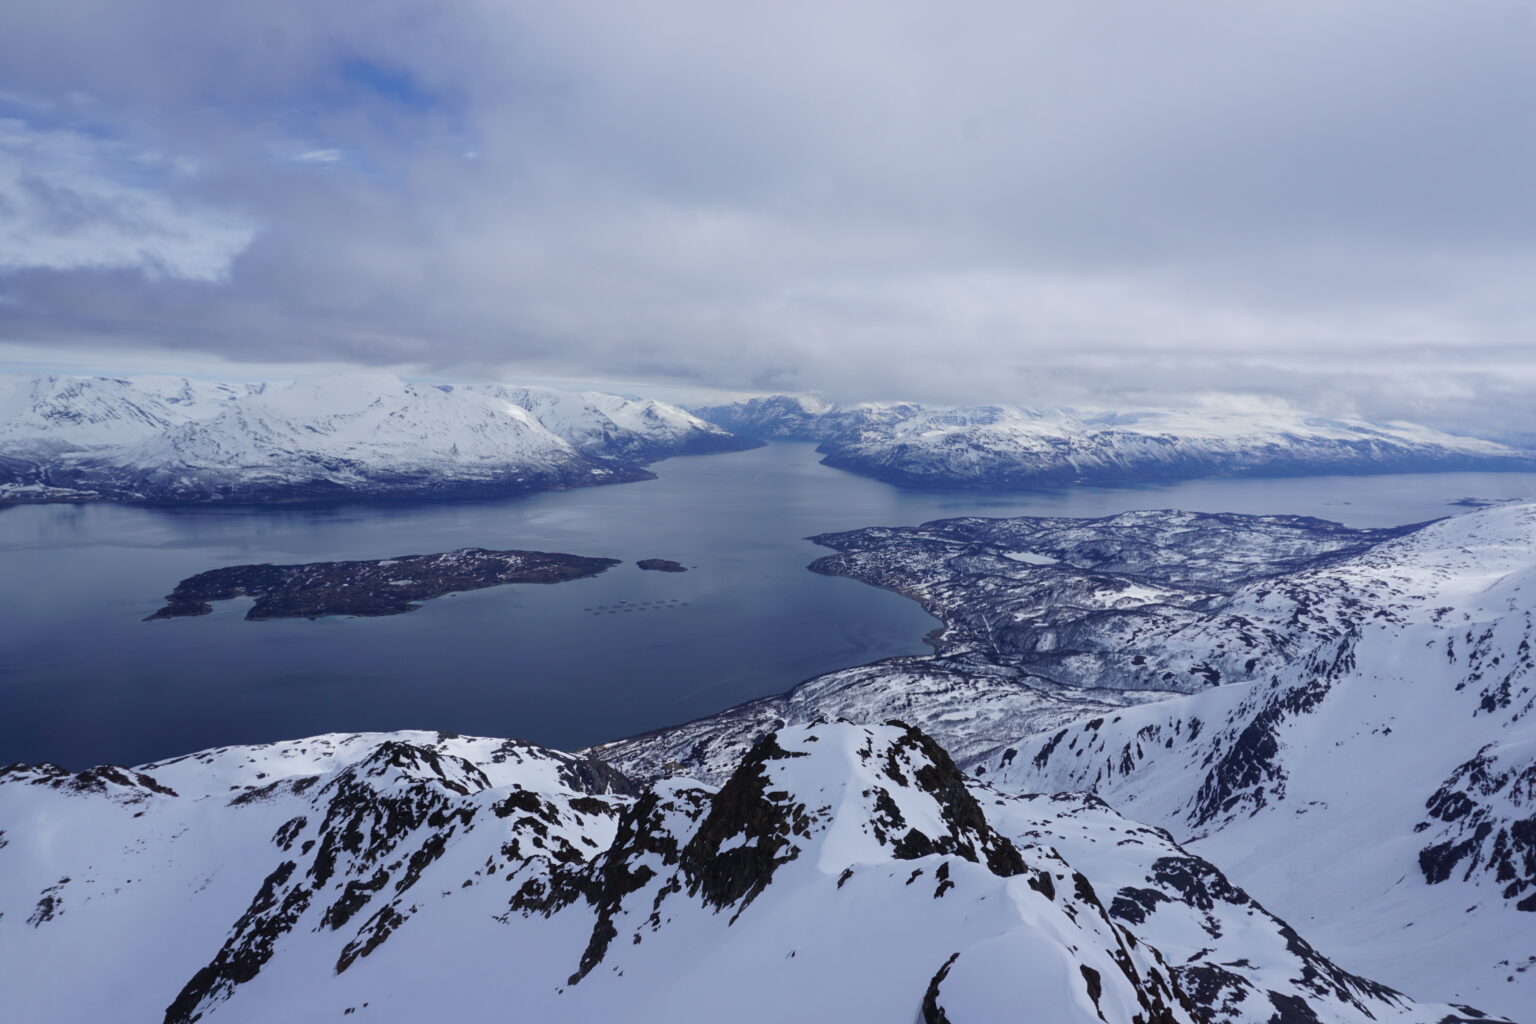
x=1012, y=447
x=842, y=872
x=1232, y=958
x=351, y=435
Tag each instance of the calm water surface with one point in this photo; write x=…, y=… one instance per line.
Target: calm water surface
x=84, y=681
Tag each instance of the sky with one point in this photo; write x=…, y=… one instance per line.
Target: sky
x=1069, y=202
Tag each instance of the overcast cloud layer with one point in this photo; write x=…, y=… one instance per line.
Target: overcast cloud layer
x=1327, y=202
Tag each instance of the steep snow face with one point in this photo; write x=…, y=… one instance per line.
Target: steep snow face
x=842, y=872
x=1009, y=446
x=166, y=439
x=1377, y=786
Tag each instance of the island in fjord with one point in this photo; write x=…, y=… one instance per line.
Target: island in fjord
x=387, y=586
x=661, y=565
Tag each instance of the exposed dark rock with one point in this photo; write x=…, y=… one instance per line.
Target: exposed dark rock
x=122, y=784
x=743, y=807
x=932, y=1012
x=970, y=834
x=613, y=877
x=272, y=913
x=1477, y=807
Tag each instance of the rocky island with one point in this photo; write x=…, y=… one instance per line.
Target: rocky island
x=661, y=565
x=388, y=586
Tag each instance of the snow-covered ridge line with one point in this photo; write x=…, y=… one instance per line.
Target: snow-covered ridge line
x=363, y=435
x=1001, y=446
x=841, y=872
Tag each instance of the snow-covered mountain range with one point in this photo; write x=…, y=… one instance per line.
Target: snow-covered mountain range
x=166, y=439
x=1000, y=446
x=176, y=439
x=1160, y=767
x=1357, y=746
x=840, y=873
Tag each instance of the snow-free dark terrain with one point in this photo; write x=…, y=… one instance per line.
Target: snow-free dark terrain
x=385, y=586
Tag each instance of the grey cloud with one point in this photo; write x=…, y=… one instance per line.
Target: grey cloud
x=1328, y=203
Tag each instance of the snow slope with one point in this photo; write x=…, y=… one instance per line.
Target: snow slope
x=1000, y=446
x=354, y=435
x=842, y=872
x=1378, y=787
x=41, y=416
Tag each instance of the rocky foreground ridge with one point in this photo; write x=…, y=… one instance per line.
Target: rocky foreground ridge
x=839, y=872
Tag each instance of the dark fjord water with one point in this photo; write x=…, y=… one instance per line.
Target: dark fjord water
x=84, y=681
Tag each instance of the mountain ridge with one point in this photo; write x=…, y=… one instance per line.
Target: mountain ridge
x=847, y=872
x=1006, y=447
x=358, y=435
